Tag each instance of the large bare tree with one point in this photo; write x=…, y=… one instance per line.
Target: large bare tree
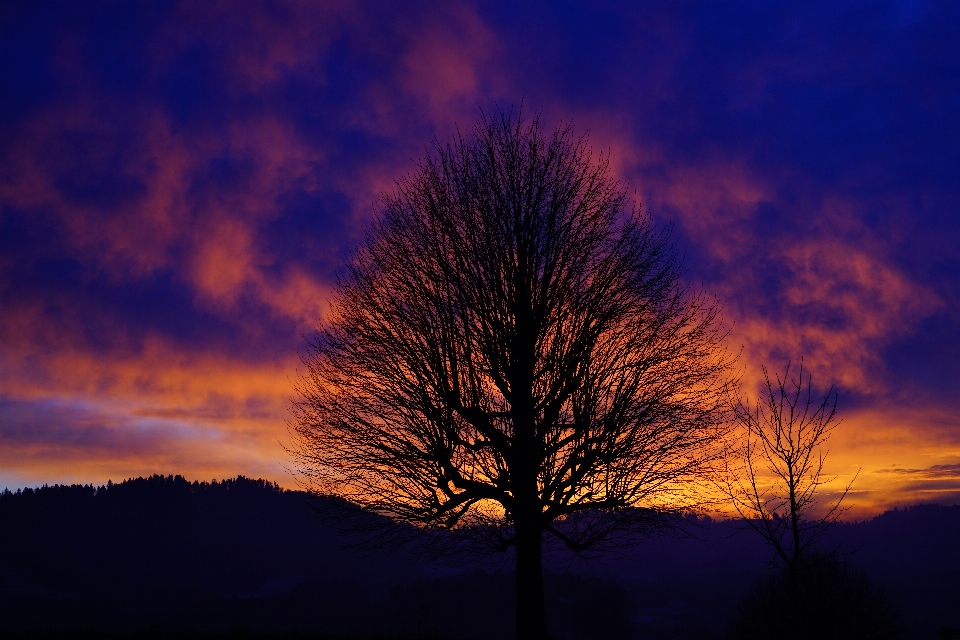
x=511, y=350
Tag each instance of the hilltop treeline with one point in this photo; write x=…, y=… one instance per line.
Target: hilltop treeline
x=166, y=553
x=158, y=533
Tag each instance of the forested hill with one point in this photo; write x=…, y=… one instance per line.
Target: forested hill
x=162, y=552
x=161, y=533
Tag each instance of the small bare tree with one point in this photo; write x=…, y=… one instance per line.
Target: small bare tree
x=511, y=351
x=784, y=434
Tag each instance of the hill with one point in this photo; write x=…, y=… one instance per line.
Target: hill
x=165, y=553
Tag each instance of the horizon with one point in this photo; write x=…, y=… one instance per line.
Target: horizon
x=180, y=184
x=710, y=516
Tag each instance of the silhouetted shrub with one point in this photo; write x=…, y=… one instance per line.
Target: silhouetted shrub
x=826, y=599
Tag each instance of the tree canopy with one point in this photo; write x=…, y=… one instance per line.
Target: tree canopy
x=512, y=350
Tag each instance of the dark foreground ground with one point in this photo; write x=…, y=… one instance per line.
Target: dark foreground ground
x=161, y=634
x=165, y=558
x=169, y=634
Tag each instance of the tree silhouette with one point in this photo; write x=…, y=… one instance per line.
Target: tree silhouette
x=783, y=437
x=823, y=598
x=511, y=352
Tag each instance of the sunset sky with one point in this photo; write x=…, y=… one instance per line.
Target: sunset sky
x=179, y=182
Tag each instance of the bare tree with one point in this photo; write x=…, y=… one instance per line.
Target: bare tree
x=511, y=351
x=779, y=467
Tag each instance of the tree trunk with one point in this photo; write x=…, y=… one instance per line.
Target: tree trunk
x=531, y=612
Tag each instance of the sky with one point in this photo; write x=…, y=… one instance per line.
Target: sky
x=180, y=181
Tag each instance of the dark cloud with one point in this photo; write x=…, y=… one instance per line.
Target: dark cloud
x=934, y=472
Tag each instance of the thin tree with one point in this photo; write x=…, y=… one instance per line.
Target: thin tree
x=779, y=467
x=511, y=351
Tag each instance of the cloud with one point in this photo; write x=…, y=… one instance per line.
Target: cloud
x=179, y=185
x=173, y=307
x=79, y=440
x=936, y=472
